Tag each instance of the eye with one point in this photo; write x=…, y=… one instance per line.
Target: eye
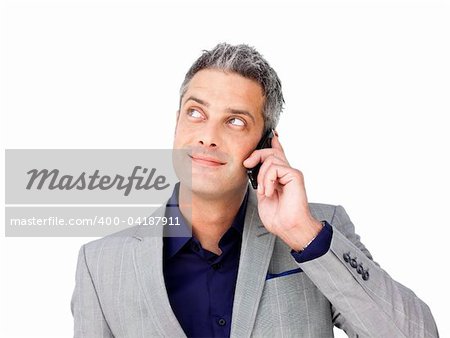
x=194, y=113
x=236, y=122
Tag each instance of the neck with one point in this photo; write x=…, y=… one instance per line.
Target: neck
x=210, y=217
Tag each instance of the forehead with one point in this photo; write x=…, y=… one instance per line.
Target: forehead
x=226, y=88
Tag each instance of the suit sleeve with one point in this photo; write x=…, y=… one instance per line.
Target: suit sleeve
x=365, y=300
x=86, y=310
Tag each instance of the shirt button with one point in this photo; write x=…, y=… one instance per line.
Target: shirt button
x=222, y=322
x=216, y=266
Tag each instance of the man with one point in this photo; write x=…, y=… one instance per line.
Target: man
x=260, y=262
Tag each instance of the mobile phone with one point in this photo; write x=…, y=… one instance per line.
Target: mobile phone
x=265, y=142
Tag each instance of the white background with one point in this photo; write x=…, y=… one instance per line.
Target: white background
x=366, y=86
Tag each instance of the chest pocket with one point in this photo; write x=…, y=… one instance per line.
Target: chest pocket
x=292, y=306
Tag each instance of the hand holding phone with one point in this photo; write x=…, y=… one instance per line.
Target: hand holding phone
x=266, y=142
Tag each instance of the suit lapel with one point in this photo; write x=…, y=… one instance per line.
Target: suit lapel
x=148, y=256
x=256, y=252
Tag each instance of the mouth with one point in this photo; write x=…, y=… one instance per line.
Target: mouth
x=205, y=160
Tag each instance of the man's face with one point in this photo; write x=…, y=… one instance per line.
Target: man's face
x=221, y=121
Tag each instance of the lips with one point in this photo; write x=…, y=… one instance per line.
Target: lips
x=206, y=160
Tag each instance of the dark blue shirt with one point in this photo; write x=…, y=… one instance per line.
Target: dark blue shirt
x=201, y=284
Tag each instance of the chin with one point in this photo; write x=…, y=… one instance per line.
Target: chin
x=212, y=189
x=201, y=184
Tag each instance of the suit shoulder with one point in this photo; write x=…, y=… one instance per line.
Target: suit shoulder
x=120, y=238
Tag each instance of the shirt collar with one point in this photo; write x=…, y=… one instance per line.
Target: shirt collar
x=174, y=240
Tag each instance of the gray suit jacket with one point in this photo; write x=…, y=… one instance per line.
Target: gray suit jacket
x=120, y=290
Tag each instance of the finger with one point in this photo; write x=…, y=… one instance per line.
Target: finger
x=255, y=157
x=274, y=176
x=291, y=175
x=260, y=155
x=264, y=167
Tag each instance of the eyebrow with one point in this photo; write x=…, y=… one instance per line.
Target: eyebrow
x=193, y=98
x=228, y=110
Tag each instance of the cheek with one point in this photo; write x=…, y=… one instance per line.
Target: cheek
x=241, y=153
x=248, y=147
x=182, y=134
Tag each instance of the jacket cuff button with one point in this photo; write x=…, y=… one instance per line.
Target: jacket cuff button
x=365, y=275
x=346, y=257
x=360, y=269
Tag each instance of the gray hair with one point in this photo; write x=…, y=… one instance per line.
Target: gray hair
x=247, y=62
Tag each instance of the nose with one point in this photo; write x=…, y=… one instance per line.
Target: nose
x=209, y=137
x=206, y=143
